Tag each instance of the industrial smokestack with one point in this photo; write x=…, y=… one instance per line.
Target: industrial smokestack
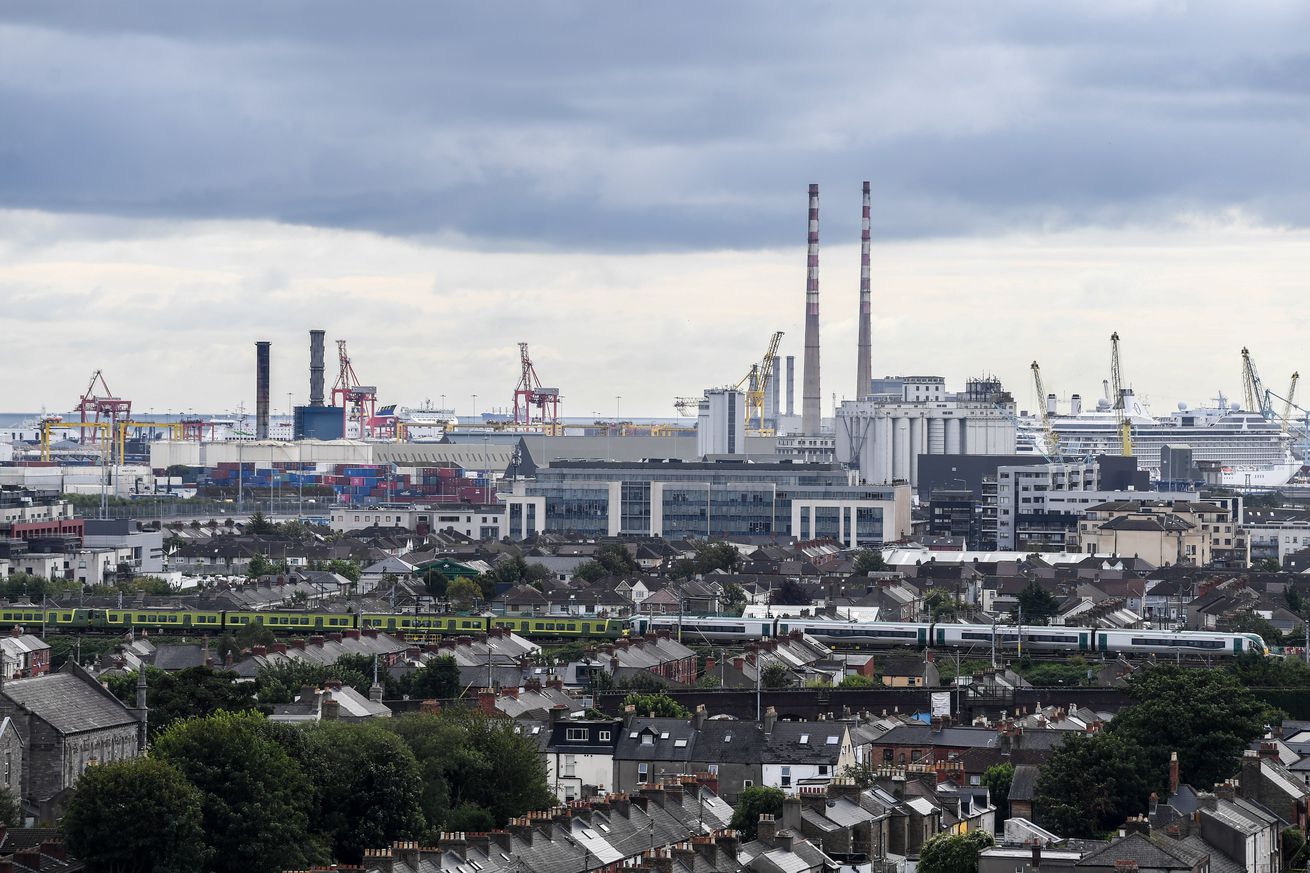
x=810, y=397
x=791, y=384
x=863, y=373
x=316, y=368
x=261, y=390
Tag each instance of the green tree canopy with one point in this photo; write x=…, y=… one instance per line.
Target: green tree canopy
x=438, y=679
x=369, y=787
x=196, y=691
x=1206, y=716
x=463, y=592
x=953, y=853
x=1249, y=622
x=10, y=814
x=136, y=816
x=869, y=561
x=1091, y=784
x=281, y=682
x=255, y=800
x=716, y=556
x=733, y=598
x=661, y=705
x=790, y=592
x=777, y=675
x=751, y=804
x=1037, y=604
x=997, y=778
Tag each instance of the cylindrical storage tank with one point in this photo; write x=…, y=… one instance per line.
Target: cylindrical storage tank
x=901, y=443
x=952, y=436
x=936, y=436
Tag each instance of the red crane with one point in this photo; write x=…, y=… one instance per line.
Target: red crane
x=358, y=401
x=92, y=406
x=530, y=393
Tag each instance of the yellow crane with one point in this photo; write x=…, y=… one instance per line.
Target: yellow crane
x=1116, y=377
x=1291, y=394
x=1052, y=438
x=756, y=381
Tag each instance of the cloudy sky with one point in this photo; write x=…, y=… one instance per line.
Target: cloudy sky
x=623, y=186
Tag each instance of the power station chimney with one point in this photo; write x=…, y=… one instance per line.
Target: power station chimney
x=261, y=390
x=791, y=384
x=863, y=373
x=316, y=368
x=810, y=397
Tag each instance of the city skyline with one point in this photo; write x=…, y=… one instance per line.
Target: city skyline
x=180, y=185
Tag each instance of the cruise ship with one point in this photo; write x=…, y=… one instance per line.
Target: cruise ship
x=1252, y=451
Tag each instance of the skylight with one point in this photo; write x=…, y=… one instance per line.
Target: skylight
x=805, y=738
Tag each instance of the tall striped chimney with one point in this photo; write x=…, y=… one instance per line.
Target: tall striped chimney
x=863, y=367
x=810, y=396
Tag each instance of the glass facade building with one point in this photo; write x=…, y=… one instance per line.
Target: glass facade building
x=713, y=499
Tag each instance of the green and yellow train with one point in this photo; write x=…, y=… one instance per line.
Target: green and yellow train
x=193, y=621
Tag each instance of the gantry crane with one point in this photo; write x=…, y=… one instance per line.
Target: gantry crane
x=1052, y=438
x=756, y=382
x=529, y=393
x=92, y=406
x=686, y=406
x=358, y=401
x=1120, y=410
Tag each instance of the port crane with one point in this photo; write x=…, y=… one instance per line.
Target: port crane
x=1120, y=410
x=1052, y=438
x=756, y=382
x=529, y=394
x=1257, y=396
x=1287, y=401
x=357, y=401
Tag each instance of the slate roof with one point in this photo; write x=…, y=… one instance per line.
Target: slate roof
x=1024, y=784
x=803, y=742
x=1160, y=853
x=68, y=703
x=179, y=657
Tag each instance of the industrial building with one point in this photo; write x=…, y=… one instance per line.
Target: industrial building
x=720, y=426
x=720, y=499
x=883, y=435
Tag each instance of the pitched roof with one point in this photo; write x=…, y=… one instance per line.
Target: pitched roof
x=68, y=703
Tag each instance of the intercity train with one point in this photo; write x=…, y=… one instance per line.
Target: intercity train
x=1009, y=638
x=691, y=629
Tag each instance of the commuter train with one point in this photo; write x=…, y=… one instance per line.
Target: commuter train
x=719, y=629
x=692, y=629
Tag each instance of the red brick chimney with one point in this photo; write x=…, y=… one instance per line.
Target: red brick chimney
x=1173, y=773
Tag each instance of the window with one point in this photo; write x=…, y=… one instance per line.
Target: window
x=746, y=783
x=805, y=739
x=576, y=735
x=643, y=772
x=648, y=739
x=786, y=777
x=604, y=736
x=823, y=769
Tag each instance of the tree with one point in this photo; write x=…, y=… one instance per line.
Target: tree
x=1249, y=622
x=733, y=598
x=953, y=853
x=260, y=524
x=1292, y=843
x=195, y=691
x=347, y=569
x=938, y=602
x=616, y=560
x=1092, y=783
x=1268, y=565
x=438, y=679
x=868, y=561
x=751, y=804
x=716, y=556
x=589, y=571
x=660, y=705
x=997, y=778
x=855, y=680
x=435, y=582
x=1205, y=716
x=463, y=592
x=790, y=593
x=470, y=762
x=10, y=815
x=369, y=787
x=255, y=800
x=136, y=816
x=259, y=566
x=777, y=675
x=1036, y=605
x=281, y=682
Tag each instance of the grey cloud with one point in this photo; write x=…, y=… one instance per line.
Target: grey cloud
x=653, y=127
